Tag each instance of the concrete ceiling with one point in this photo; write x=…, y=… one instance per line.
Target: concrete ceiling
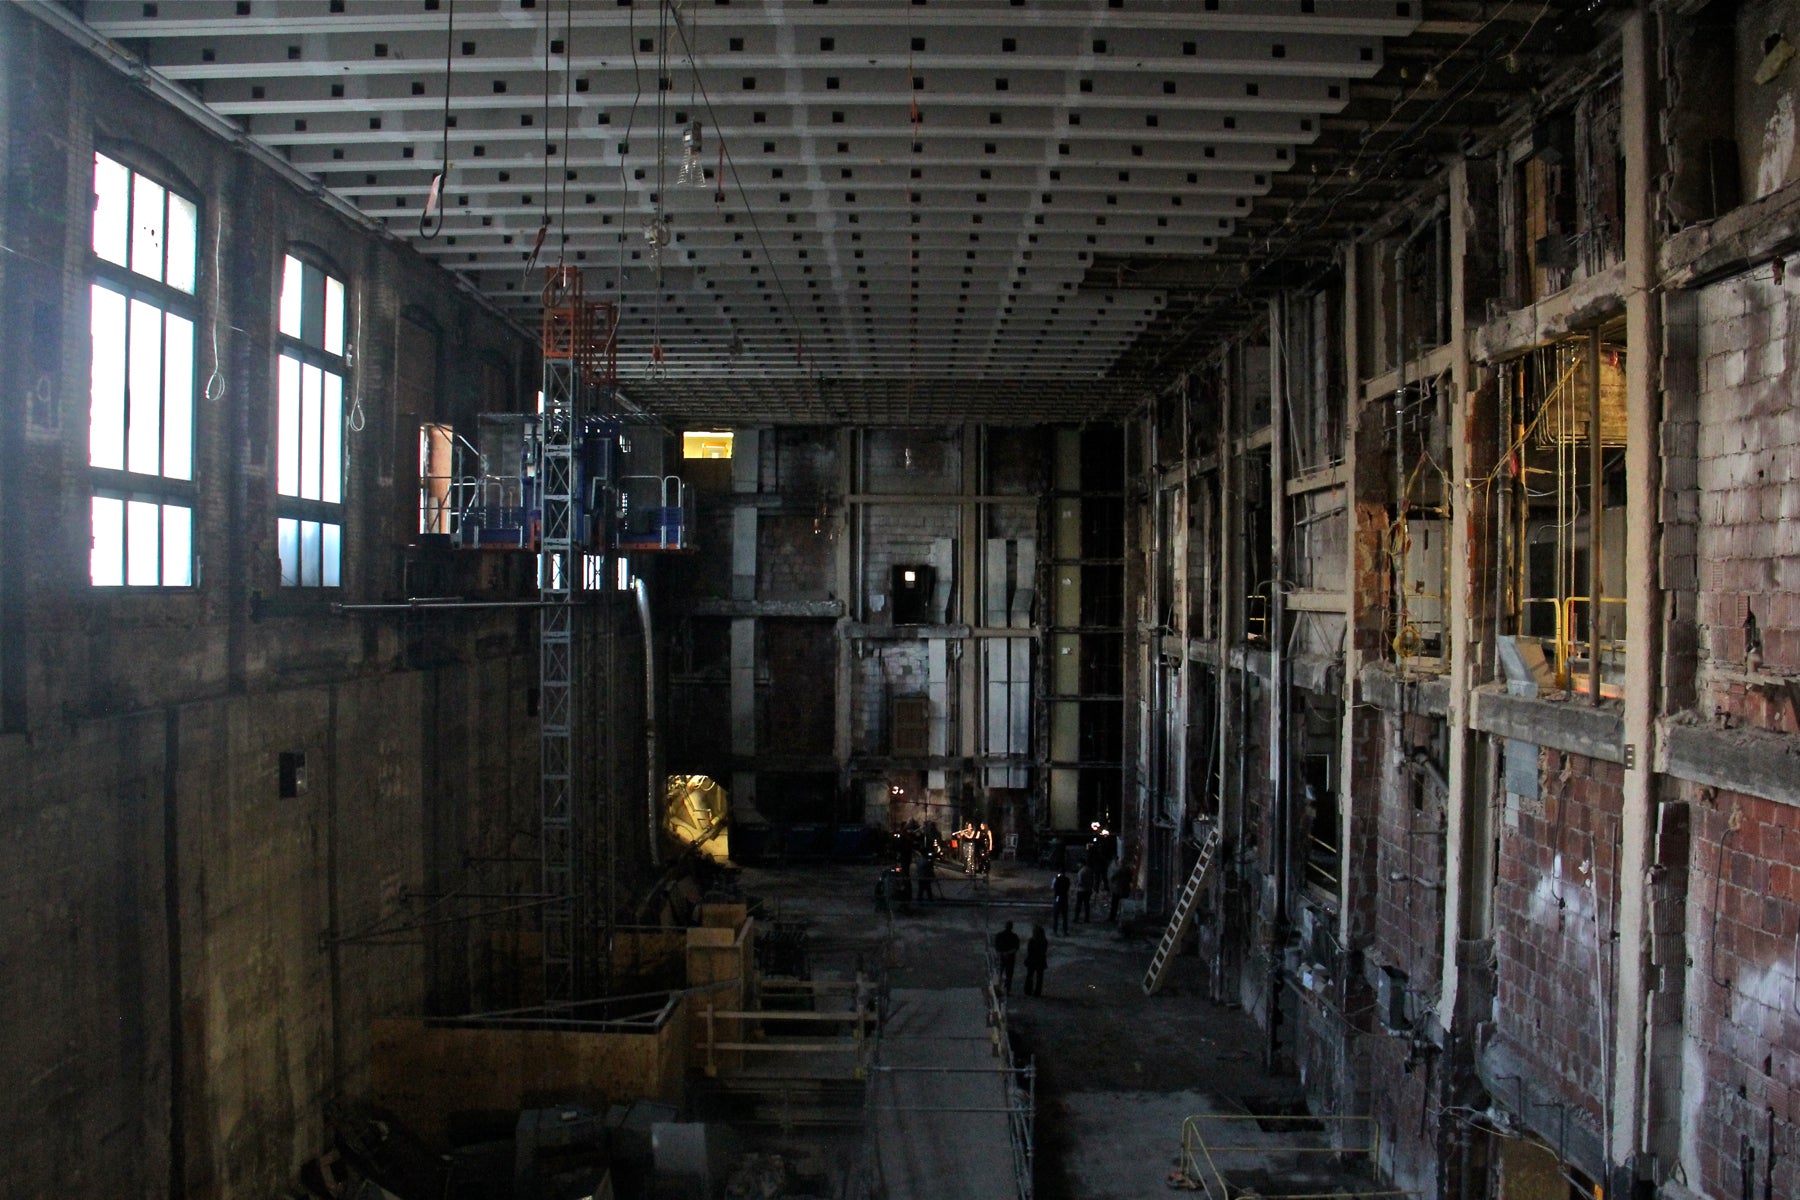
x=927, y=212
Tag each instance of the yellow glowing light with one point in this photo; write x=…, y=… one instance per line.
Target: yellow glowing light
x=697, y=443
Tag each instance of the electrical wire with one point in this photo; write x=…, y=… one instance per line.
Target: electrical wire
x=1435, y=115
x=214, y=390
x=755, y=225
x=637, y=82
x=434, y=200
x=562, y=242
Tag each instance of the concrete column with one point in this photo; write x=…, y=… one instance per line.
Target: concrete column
x=968, y=589
x=1352, y=656
x=1280, y=859
x=1642, y=599
x=1461, y=797
x=843, y=738
x=1183, y=561
x=1230, y=592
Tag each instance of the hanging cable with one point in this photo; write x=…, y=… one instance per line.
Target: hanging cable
x=562, y=242
x=657, y=232
x=737, y=183
x=434, y=199
x=1360, y=179
x=537, y=243
x=214, y=390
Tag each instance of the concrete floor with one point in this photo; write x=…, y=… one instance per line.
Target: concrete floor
x=1118, y=1071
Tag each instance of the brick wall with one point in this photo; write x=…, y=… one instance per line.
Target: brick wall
x=796, y=557
x=904, y=533
x=889, y=669
x=799, y=462
x=1555, y=908
x=1747, y=481
x=1742, y=1084
x=1409, y=868
x=912, y=461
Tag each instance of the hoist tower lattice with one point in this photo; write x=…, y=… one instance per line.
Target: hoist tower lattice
x=579, y=354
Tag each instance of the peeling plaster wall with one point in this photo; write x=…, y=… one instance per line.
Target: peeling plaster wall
x=1747, y=477
x=1741, y=1061
x=1556, y=907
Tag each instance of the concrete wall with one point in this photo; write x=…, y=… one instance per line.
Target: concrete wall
x=181, y=998
x=788, y=658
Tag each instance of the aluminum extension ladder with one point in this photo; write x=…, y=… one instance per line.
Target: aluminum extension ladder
x=1182, y=917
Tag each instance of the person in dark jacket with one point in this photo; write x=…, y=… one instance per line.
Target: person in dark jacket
x=1006, y=949
x=1059, y=902
x=1037, y=957
x=1118, y=883
x=1084, y=893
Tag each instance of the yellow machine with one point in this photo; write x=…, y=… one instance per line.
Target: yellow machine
x=695, y=811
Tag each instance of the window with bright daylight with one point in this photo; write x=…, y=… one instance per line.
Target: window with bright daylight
x=706, y=444
x=309, y=404
x=141, y=404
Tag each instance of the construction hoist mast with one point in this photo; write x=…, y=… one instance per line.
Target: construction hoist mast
x=579, y=359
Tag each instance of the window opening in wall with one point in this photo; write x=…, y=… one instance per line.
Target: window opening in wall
x=1312, y=371
x=1559, y=527
x=1258, y=546
x=1203, y=556
x=437, y=477
x=309, y=396
x=706, y=444
x=1544, y=208
x=1318, y=837
x=141, y=408
x=1418, y=535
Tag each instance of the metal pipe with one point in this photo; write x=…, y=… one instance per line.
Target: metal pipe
x=426, y=604
x=1596, y=501
x=654, y=792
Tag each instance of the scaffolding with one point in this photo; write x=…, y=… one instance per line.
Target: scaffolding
x=1278, y=1157
x=579, y=348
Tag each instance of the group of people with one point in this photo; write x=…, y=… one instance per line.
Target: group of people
x=1114, y=881
x=917, y=848
x=1037, y=957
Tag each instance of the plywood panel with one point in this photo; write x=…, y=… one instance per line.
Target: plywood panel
x=437, y=1079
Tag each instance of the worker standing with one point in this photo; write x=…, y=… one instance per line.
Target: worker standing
x=1006, y=949
x=1119, y=882
x=1037, y=957
x=1059, y=902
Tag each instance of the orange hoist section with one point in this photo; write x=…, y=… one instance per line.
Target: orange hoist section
x=575, y=328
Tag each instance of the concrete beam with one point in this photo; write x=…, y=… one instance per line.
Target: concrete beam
x=1744, y=237
x=1316, y=673
x=1584, y=302
x=1506, y=1074
x=821, y=609
x=911, y=633
x=1570, y=726
x=1383, y=687
x=1750, y=761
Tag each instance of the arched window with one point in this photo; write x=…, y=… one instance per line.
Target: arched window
x=309, y=424
x=142, y=312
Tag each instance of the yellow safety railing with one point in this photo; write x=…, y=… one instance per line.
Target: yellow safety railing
x=1316, y=873
x=1563, y=634
x=1208, y=1142
x=1256, y=616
